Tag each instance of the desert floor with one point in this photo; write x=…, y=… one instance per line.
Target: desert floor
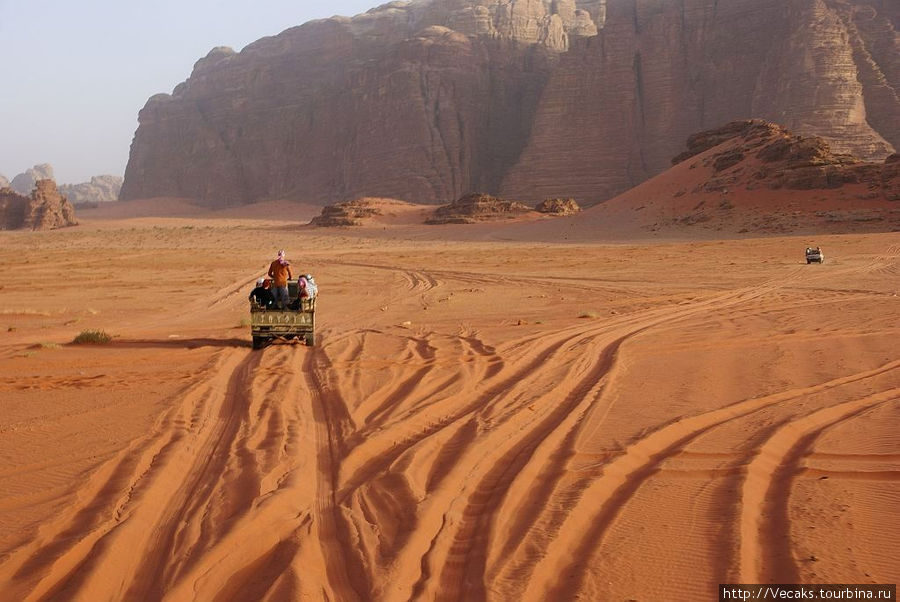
x=479, y=420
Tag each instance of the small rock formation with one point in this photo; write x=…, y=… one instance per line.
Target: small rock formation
x=24, y=183
x=44, y=209
x=558, y=207
x=101, y=189
x=349, y=213
x=4, y=183
x=473, y=208
x=766, y=154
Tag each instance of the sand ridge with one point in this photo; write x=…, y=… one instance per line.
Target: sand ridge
x=483, y=419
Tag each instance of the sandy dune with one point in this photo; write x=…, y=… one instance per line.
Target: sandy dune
x=482, y=419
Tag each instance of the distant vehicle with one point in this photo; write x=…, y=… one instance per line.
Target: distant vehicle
x=814, y=255
x=267, y=325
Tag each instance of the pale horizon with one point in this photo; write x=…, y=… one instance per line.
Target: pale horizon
x=76, y=76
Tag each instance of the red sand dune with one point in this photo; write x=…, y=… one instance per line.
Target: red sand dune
x=480, y=419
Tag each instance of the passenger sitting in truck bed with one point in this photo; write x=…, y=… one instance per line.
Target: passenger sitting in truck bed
x=311, y=288
x=262, y=294
x=306, y=289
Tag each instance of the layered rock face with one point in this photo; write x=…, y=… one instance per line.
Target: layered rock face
x=44, y=209
x=660, y=71
x=429, y=100
x=101, y=189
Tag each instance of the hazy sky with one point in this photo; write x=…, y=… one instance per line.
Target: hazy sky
x=74, y=74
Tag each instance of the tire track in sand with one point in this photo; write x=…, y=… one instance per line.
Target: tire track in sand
x=586, y=524
x=767, y=486
x=58, y=559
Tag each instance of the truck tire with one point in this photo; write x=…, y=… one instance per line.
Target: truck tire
x=310, y=340
x=258, y=342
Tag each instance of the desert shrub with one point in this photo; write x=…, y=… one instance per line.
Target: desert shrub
x=92, y=337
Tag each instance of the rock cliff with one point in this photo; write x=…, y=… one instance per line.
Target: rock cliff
x=429, y=100
x=44, y=209
x=4, y=183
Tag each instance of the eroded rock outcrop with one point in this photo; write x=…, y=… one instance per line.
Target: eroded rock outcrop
x=4, y=183
x=44, y=209
x=527, y=99
x=473, y=208
x=349, y=213
x=754, y=154
x=558, y=207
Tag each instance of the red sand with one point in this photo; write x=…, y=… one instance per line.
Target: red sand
x=480, y=419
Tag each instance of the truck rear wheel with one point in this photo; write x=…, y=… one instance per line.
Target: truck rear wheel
x=310, y=340
x=259, y=342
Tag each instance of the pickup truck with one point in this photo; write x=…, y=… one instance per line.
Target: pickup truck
x=814, y=255
x=267, y=325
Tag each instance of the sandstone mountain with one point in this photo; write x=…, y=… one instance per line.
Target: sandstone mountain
x=529, y=99
x=101, y=189
x=43, y=209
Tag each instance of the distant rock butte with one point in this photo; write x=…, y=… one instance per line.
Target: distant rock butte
x=44, y=209
x=527, y=99
x=473, y=208
x=101, y=189
x=25, y=182
x=4, y=183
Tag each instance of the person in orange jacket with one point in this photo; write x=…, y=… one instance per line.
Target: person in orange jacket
x=280, y=273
